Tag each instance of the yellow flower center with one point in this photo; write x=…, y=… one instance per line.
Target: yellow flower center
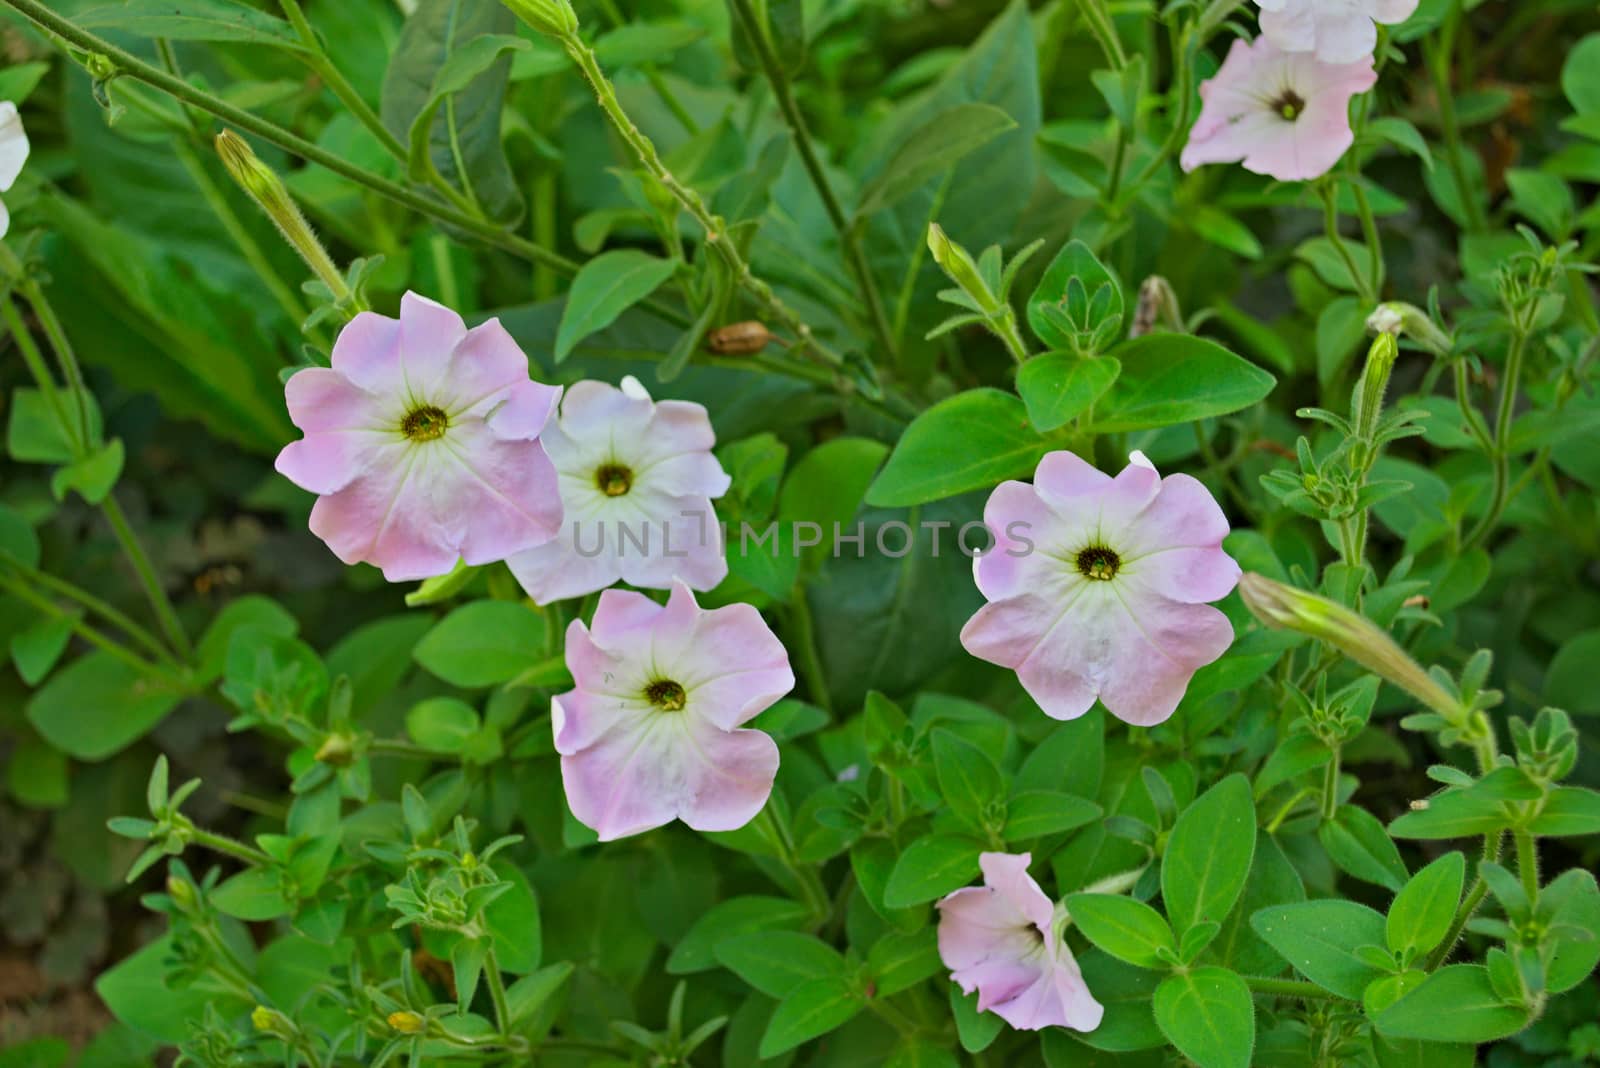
x=426, y=423
x=613, y=479
x=666, y=695
x=1098, y=563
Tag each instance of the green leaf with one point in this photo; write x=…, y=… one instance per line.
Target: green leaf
x=931, y=867
x=776, y=962
x=36, y=774
x=252, y=610
x=1127, y=929
x=1273, y=881
x=1058, y=386
x=514, y=924
x=1454, y=1004
x=528, y=994
x=1208, y=854
x=1569, y=812
x=1409, y=1053
x=1208, y=1015
x=810, y=1010
x=975, y=1030
x=1224, y=231
x=254, y=894
x=635, y=44
x=1572, y=904
x=1358, y=843
x=93, y=476
x=99, y=705
x=968, y=779
x=974, y=440
x=932, y=149
x=464, y=133
x=458, y=72
x=34, y=432
x=1036, y=813
x=901, y=959
x=483, y=643
x=442, y=723
x=1047, y=306
x=1580, y=75
x=732, y=920
x=192, y=20
x=1424, y=908
x=36, y=649
x=137, y=992
x=1402, y=134
x=1168, y=379
x=607, y=286
x=1320, y=938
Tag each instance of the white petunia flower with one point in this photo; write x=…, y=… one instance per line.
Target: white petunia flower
x=1338, y=31
x=13, y=154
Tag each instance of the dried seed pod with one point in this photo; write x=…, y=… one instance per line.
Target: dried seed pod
x=739, y=339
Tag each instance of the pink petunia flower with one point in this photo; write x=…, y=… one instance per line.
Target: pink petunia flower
x=422, y=440
x=1336, y=31
x=1096, y=587
x=637, y=479
x=1003, y=940
x=1283, y=114
x=651, y=730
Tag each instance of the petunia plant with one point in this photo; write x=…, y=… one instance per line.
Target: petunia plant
x=843, y=532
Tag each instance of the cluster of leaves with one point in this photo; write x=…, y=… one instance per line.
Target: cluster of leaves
x=377, y=863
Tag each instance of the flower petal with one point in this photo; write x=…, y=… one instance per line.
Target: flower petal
x=320, y=398
x=429, y=334
x=13, y=145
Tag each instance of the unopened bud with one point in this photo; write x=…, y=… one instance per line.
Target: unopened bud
x=1357, y=637
x=1401, y=319
x=552, y=17
x=958, y=263
x=337, y=750
x=268, y=191
x=271, y=1022
x=1374, y=384
x=181, y=892
x=1158, y=308
x=407, y=1023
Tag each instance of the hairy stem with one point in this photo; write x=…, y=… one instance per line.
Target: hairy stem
x=849, y=236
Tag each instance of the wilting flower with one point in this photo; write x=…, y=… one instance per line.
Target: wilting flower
x=423, y=441
x=1003, y=940
x=1336, y=31
x=637, y=478
x=1283, y=114
x=1097, y=587
x=13, y=154
x=651, y=730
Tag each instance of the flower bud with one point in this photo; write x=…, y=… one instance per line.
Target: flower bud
x=181, y=892
x=554, y=18
x=1158, y=308
x=958, y=263
x=407, y=1023
x=272, y=196
x=1399, y=318
x=272, y=1022
x=1374, y=384
x=1357, y=637
x=336, y=750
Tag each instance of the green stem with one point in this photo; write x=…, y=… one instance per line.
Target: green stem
x=92, y=635
x=1330, y=218
x=497, y=992
x=1288, y=988
x=400, y=747
x=131, y=66
x=1438, y=50
x=716, y=232
x=166, y=615
x=251, y=249
x=804, y=641
x=653, y=76
x=94, y=604
x=221, y=843
x=1528, y=865
x=1501, y=456
x=1104, y=31
x=849, y=236
x=1330, y=786
x=1474, y=898
x=317, y=59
